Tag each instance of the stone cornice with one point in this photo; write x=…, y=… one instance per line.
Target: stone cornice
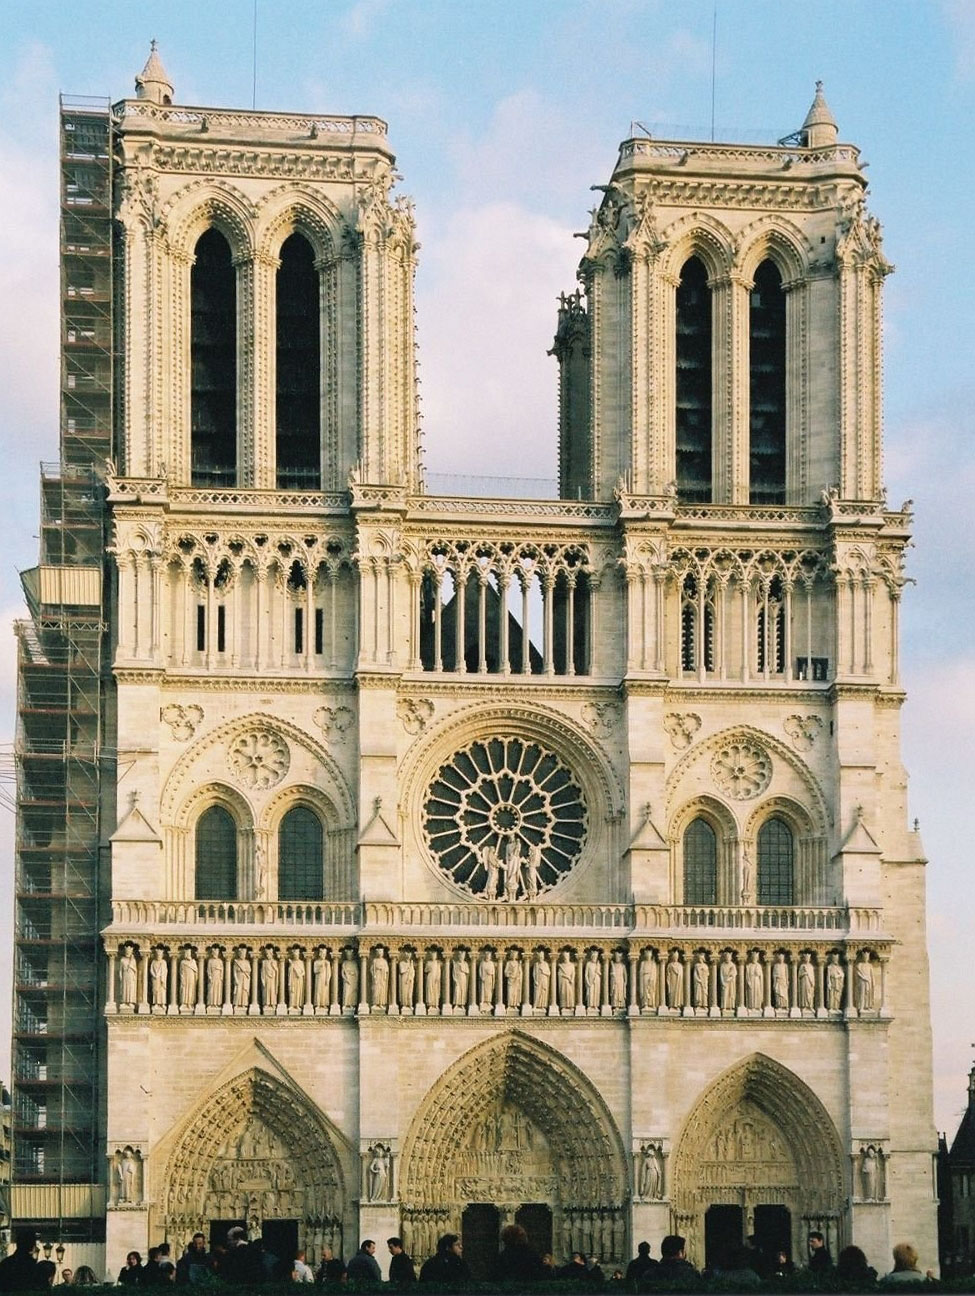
x=314, y=686
x=470, y=687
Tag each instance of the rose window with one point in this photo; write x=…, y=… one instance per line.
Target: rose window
x=741, y=769
x=259, y=758
x=505, y=819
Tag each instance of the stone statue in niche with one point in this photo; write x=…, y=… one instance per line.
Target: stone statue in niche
x=461, y=974
x=128, y=976
x=754, y=982
x=651, y=1183
x=214, y=991
x=188, y=975
x=296, y=979
x=648, y=980
x=727, y=982
x=321, y=971
x=806, y=982
x=487, y=971
x=675, y=981
x=240, y=978
x=407, y=980
x=746, y=877
x=835, y=982
x=350, y=980
x=512, y=868
x=565, y=977
x=377, y=1172
x=864, y=982
x=699, y=982
x=532, y=872
x=269, y=980
x=617, y=982
x=432, y=974
x=492, y=867
x=379, y=973
x=541, y=981
x=780, y=982
x=592, y=978
x=128, y=1176
x=512, y=979
x=260, y=873
x=870, y=1174
x=158, y=978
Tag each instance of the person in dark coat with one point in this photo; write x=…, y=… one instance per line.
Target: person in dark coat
x=575, y=1269
x=364, y=1267
x=448, y=1266
x=674, y=1266
x=852, y=1268
x=194, y=1264
x=820, y=1260
x=130, y=1275
x=401, y=1271
x=641, y=1267
x=517, y=1261
x=20, y=1272
x=331, y=1271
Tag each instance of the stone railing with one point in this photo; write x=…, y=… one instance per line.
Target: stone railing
x=394, y=915
x=143, y=915
x=224, y=119
x=249, y=973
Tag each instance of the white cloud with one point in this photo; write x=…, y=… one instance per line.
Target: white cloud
x=487, y=312
x=360, y=18
x=960, y=17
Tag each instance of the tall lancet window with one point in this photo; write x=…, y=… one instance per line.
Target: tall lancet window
x=700, y=863
x=300, y=856
x=298, y=368
x=213, y=355
x=693, y=385
x=216, y=855
x=766, y=381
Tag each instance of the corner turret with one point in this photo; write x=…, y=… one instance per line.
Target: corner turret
x=153, y=81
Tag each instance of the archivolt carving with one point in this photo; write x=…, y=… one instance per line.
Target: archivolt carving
x=206, y=203
x=513, y=1109
x=697, y=234
x=196, y=761
x=298, y=208
x=254, y=1148
x=759, y=1124
x=773, y=236
x=786, y=764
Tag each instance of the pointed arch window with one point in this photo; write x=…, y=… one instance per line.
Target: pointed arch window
x=693, y=384
x=298, y=355
x=776, y=863
x=300, y=856
x=213, y=362
x=766, y=385
x=770, y=629
x=700, y=863
x=216, y=855
x=696, y=626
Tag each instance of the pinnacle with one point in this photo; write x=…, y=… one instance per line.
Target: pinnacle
x=153, y=81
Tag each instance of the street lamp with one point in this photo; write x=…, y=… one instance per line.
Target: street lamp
x=48, y=1248
x=59, y=1252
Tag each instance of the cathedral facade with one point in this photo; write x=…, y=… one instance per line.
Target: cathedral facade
x=459, y=861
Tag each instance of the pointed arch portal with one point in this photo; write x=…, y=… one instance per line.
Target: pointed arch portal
x=256, y=1150
x=760, y=1143
x=514, y=1124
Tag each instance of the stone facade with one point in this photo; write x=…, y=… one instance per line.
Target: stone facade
x=510, y=993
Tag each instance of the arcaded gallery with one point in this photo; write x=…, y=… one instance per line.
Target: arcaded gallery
x=396, y=862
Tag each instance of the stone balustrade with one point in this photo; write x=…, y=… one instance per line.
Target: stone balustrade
x=761, y=975
x=139, y=916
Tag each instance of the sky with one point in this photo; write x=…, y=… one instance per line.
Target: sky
x=503, y=113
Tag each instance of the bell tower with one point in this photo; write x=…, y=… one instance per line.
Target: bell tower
x=728, y=343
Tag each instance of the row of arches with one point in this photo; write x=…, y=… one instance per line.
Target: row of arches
x=516, y=1117
x=694, y=385
x=300, y=856
x=214, y=398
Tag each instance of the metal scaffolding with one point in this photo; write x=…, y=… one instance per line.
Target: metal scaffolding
x=58, y=749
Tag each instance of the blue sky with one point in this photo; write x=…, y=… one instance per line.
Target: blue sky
x=503, y=113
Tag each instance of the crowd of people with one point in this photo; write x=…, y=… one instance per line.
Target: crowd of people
x=246, y=1262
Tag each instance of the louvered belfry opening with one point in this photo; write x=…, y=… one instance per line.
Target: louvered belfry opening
x=213, y=347
x=766, y=380
x=694, y=384
x=298, y=353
